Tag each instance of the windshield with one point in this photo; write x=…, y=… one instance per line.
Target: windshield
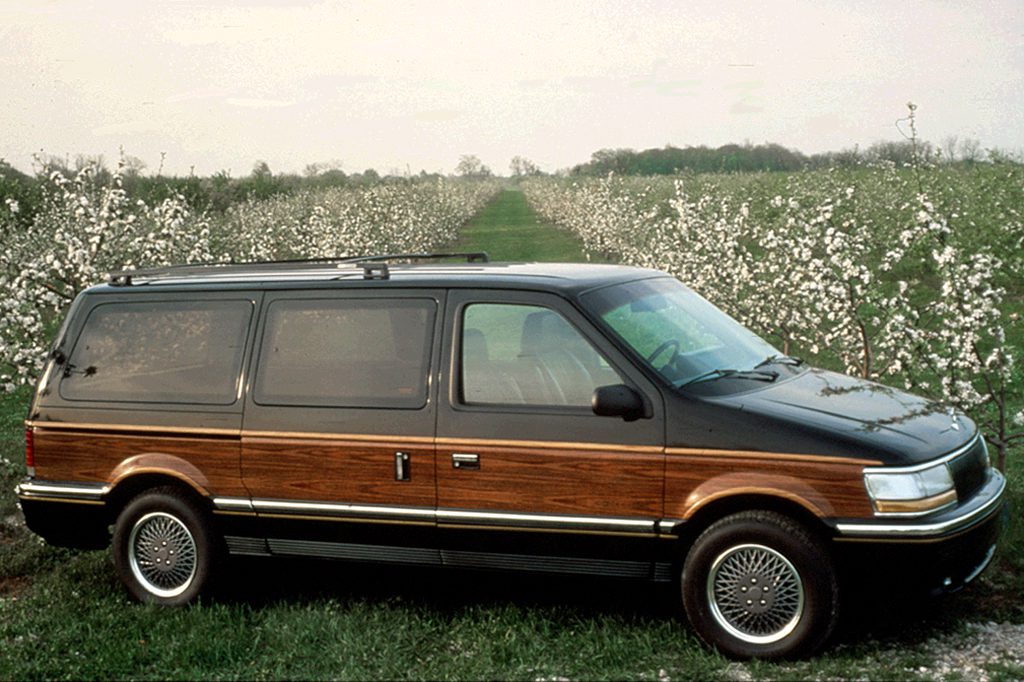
x=678, y=333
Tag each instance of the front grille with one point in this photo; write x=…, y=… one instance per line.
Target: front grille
x=970, y=470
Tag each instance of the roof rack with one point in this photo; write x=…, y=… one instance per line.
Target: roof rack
x=374, y=267
x=470, y=256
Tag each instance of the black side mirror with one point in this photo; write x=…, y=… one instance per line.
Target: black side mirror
x=617, y=401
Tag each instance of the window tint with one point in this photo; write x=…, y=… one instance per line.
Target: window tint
x=528, y=355
x=370, y=352
x=159, y=352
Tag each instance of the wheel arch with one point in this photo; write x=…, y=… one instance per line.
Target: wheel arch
x=132, y=485
x=724, y=506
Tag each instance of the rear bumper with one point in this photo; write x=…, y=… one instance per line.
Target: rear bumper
x=66, y=514
x=67, y=524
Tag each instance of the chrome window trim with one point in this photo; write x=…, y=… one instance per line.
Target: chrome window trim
x=936, y=528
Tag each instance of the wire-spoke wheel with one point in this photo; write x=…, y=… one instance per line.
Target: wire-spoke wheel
x=755, y=593
x=162, y=554
x=163, y=547
x=758, y=585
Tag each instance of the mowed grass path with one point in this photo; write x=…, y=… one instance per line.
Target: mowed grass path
x=508, y=229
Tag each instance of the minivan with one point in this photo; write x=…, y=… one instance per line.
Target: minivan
x=559, y=418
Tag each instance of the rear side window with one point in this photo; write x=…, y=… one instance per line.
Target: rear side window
x=159, y=352
x=371, y=352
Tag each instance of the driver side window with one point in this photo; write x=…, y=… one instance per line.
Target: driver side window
x=527, y=355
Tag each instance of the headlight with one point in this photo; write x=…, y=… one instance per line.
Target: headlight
x=911, y=493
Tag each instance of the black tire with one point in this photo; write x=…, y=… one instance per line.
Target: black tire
x=757, y=584
x=164, y=550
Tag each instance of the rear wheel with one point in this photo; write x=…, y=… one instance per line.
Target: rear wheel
x=163, y=548
x=758, y=585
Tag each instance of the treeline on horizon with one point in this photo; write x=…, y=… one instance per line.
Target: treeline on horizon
x=218, y=192
x=214, y=193
x=734, y=158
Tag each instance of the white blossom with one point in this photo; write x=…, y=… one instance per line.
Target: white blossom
x=880, y=286
x=87, y=227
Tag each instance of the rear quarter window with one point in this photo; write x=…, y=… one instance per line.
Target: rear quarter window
x=187, y=352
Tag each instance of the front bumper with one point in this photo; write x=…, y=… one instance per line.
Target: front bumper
x=986, y=502
x=939, y=554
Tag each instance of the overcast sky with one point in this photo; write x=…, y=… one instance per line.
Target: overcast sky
x=396, y=85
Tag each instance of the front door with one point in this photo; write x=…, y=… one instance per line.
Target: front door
x=520, y=451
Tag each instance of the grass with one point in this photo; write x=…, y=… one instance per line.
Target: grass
x=509, y=230
x=63, y=615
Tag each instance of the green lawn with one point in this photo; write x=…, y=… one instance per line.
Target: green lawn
x=509, y=230
x=63, y=615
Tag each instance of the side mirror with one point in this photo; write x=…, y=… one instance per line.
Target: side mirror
x=617, y=401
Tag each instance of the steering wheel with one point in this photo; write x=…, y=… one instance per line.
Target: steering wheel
x=665, y=345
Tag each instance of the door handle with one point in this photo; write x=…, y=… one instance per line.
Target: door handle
x=465, y=460
x=402, y=472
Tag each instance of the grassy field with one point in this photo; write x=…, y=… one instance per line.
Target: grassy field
x=509, y=230
x=63, y=615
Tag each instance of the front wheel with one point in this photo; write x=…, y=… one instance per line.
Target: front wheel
x=759, y=585
x=163, y=548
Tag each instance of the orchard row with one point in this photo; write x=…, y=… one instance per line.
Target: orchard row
x=88, y=226
x=906, y=275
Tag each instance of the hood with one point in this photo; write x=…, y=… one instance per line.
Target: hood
x=900, y=428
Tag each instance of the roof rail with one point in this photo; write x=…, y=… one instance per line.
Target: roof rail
x=126, y=277
x=375, y=270
x=470, y=256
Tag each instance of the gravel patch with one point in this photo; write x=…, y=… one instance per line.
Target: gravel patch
x=973, y=655
x=980, y=653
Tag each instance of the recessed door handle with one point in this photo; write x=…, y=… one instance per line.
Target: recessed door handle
x=465, y=460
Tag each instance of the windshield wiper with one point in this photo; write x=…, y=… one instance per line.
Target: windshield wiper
x=755, y=374
x=780, y=360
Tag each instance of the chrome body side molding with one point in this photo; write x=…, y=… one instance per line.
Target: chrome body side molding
x=386, y=513
x=668, y=526
x=236, y=504
x=72, y=492
x=335, y=510
x=446, y=517
x=546, y=521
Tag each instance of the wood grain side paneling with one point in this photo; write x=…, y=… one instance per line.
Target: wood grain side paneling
x=826, y=489
x=553, y=481
x=337, y=471
x=210, y=464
